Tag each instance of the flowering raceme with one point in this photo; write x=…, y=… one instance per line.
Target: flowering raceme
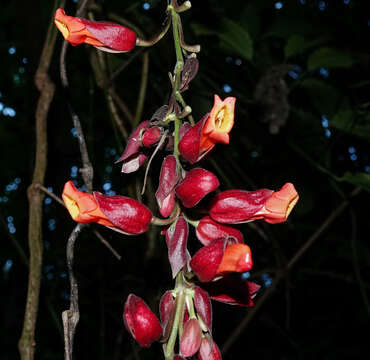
x=214, y=271
x=106, y=36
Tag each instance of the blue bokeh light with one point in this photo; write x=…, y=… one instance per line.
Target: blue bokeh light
x=227, y=88
x=324, y=121
x=278, y=5
x=324, y=72
x=351, y=149
x=146, y=6
x=322, y=5
x=245, y=275
x=12, y=50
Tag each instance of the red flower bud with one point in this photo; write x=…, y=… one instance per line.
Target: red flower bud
x=165, y=307
x=206, y=261
x=203, y=306
x=190, y=142
x=165, y=194
x=195, y=186
x=140, y=321
x=176, y=239
x=104, y=35
x=151, y=136
x=191, y=338
x=132, y=158
x=129, y=215
x=209, y=230
x=220, y=258
x=209, y=350
x=237, y=206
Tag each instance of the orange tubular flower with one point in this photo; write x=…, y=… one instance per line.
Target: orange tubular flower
x=237, y=258
x=106, y=36
x=219, y=123
x=278, y=207
x=82, y=206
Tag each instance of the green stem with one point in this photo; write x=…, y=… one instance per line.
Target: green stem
x=180, y=306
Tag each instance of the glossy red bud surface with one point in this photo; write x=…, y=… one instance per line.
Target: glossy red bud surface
x=207, y=260
x=165, y=194
x=176, y=239
x=140, y=321
x=129, y=215
x=209, y=230
x=190, y=142
x=209, y=350
x=237, y=206
x=195, y=186
x=132, y=158
x=165, y=307
x=191, y=338
x=151, y=136
x=203, y=306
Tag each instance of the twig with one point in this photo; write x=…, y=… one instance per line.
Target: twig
x=143, y=88
x=126, y=63
x=281, y=274
x=72, y=315
x=332, y=275
x=123, y=107
x=106, y=243
x=321, y=229
x=26, y=345
x=100, y=69
x=50, y=194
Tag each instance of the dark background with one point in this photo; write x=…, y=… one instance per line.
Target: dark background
x=300, y=72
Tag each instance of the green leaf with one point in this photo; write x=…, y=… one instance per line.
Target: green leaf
x=359, y=179
x=345, y=120
x=233, y=37
x=329, y=58
x=236, y=39
x=325, y=98
x=294, y=46
x=297, y=44
x=201, y=30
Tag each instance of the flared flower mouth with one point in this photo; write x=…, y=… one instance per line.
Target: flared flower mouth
x=63, y=28
x=220, y=121
x=82, y=206
x=283, y=201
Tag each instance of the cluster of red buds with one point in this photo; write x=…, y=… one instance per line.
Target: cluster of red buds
x=213, y=272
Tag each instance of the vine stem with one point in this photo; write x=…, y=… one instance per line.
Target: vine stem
x=27, y=342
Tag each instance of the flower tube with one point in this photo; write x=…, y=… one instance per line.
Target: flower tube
x=104, y=35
